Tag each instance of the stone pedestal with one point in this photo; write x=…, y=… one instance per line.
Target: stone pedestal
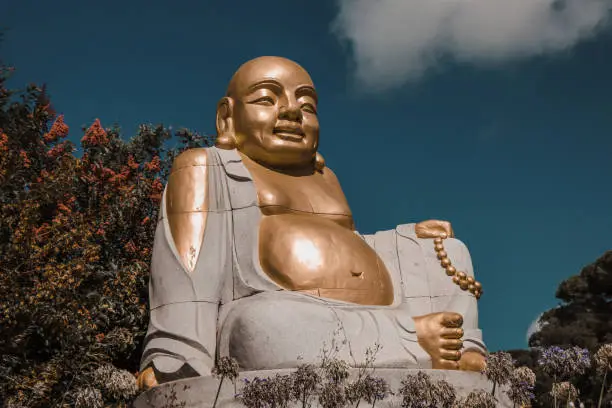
x=200, y=392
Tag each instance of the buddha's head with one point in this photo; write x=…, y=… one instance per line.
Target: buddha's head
x=270, y=114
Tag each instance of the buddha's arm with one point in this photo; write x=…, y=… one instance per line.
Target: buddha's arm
x=474, y=350
x=180, y=341
x=464, y=301
x=428, y=292
x=187, y=204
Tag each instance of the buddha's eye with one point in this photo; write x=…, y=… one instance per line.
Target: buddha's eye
x=307, y=107
x=264, y=100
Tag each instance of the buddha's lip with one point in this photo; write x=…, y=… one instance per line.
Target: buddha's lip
x=294, y=130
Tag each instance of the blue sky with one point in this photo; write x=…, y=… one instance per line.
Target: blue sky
x=495, y=117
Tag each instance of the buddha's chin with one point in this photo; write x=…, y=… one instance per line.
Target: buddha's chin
x=288, y=162
x=289, y=153
x=276, y=152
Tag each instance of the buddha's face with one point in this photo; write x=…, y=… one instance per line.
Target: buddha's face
x=274, y=113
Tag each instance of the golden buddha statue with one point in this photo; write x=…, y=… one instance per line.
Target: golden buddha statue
x=256, y=254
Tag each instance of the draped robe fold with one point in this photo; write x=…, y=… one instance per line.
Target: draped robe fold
x=228, y=306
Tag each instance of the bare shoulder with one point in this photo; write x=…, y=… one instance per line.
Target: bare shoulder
x=187, y=188
x=191, y=157
x=187, y=204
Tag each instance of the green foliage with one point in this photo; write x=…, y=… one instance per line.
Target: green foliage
x=582, y=319
x=75, y=243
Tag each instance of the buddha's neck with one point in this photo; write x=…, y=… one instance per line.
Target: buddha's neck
x=299, y=171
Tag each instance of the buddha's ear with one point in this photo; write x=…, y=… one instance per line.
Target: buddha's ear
x=226, y=134
x=319, y=162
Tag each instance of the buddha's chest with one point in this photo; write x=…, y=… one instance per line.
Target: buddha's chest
x=307, y=240
x=304, y=194
x=312, y=194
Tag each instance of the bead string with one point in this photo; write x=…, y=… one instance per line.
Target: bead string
x=459, y=278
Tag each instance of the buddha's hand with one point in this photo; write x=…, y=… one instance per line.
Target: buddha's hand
x=472, y=361
x=146, y=379
x=440, y=336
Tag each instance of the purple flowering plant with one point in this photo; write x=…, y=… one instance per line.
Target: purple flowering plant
x=562, y=363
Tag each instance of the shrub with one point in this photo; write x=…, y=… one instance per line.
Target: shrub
x=75, y=243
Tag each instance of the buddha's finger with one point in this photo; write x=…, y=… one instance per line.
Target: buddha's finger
x=146, y=379
x=452, y=355
x=443, y=364
x=450, y=319
x=452, y=333
x=451, y=344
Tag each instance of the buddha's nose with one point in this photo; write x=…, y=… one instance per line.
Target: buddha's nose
x=290, y=112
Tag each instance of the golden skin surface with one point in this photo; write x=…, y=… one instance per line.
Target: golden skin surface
x=187, y=204
x=307, y=242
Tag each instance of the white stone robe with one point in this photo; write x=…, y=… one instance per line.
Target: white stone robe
x=229, y=306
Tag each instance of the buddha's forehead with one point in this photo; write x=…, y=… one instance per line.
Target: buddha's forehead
x=288, y=73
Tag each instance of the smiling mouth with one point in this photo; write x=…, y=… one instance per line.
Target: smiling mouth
x=289, y=133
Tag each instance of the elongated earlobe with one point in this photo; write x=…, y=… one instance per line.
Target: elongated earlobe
x=226, y=135
x=319, y=162
x=225, y=142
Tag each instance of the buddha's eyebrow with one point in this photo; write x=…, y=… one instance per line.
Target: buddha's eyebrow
x=266, y=83
x=306, y=90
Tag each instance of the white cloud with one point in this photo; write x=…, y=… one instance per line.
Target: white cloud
x=395, y=41
x=534, y=327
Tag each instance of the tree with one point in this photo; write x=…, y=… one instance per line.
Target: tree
x=75, y=247
x=582, y=319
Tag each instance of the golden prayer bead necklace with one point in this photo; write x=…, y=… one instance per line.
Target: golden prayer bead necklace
x=459, y=278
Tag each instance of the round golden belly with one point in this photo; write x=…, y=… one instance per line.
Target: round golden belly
x=314, y=254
